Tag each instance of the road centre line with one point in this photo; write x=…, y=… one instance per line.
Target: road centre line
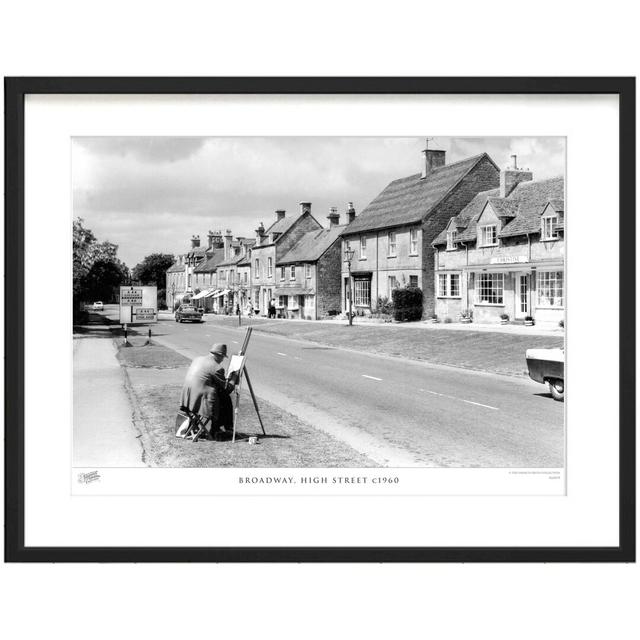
x=444, y=395
x=281, y=354
x=372, y=378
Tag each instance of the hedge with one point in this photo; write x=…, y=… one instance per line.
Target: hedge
x=407, y=304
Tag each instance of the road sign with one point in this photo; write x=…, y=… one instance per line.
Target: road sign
x=130, y=296
x=145, y=314
x=138, y=305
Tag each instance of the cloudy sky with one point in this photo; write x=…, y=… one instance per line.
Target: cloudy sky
x=152, y=194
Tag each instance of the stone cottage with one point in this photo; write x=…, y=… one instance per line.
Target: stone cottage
x=503, y=254
x=392, y=237
x=272, y=243
x=308, y=275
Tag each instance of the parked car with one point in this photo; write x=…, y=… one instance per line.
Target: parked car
x=187, y=312
x=98, y=306
x=547, y=367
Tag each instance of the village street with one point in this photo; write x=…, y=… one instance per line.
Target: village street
x=397, y=412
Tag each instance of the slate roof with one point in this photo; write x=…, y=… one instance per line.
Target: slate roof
x=408, y=200
x=210, y=265
x=520, y=210
x=232, y=261
x=197, y=251
x=176, y=268
x=246, y=260
x=281, y=226
x=312, y=245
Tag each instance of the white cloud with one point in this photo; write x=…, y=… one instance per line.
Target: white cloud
x=152, y=194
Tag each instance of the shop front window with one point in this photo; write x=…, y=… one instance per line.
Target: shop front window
x=550, y=285
x=448, y=285
x=490, y=289
x=362, y=293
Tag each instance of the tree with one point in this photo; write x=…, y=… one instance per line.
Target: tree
x=153, y=269
x=96, y=267
x=103, y=278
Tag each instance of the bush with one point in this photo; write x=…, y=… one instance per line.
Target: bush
x=384, y=306
x=407, y=304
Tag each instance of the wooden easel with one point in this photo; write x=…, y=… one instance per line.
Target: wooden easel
x=244, y=373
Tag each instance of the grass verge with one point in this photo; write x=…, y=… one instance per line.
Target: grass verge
x=154, y=377
x=479, y=350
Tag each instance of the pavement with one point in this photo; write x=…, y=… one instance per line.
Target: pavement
x=103, y=431
x=424, y=325
x=396, y=411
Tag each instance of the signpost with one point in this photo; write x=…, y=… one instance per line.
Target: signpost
x=138, y=305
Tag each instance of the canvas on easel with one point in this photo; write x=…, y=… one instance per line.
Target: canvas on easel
x=238, y=370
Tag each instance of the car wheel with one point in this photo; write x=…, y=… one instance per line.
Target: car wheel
x=556, y=387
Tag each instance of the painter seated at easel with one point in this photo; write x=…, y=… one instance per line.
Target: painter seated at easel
x=206, y=393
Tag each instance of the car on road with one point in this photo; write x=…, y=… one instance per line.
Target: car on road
x=188, y=313
x=547, y=367
x=98, y=306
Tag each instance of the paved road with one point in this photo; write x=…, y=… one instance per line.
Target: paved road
x=400, y=413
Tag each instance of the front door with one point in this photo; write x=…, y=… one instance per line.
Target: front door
x=522, y=296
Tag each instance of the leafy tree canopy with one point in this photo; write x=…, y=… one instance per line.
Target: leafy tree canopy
x=96, y=266
x=152, y=270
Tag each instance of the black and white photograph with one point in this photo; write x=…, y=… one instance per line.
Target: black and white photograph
x=319, y=302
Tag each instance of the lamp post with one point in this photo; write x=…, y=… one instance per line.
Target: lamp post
x=348, y=257
x=173, y=294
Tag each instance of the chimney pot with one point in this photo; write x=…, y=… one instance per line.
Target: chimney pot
x=259, y=234
x=351, y=213
x=433, y=158
x=511, y=177
x=333, y=217
x=305, y=207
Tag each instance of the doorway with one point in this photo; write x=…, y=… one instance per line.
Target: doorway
x=522, y=296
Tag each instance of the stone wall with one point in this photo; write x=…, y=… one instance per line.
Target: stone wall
x=483, y=177
x=329, y=285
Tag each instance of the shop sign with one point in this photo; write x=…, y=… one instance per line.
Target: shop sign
x=508, y=260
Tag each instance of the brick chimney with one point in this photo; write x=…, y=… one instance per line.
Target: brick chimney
x=259, y=234
x=351, y=213
x=280, y=213
x=305, y=207
x=210, y=239
x=195, y=241
x=432, y=159
x=511, y=177
x=228, y=237
x=333, y=217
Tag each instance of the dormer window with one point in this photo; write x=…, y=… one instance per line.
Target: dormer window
x=550, y=227
x=488, y=235
x=452, y=238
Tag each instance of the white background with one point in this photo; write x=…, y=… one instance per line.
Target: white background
x=323, y=39
x=587, y=516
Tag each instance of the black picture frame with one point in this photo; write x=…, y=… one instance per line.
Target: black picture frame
x=15, y=91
